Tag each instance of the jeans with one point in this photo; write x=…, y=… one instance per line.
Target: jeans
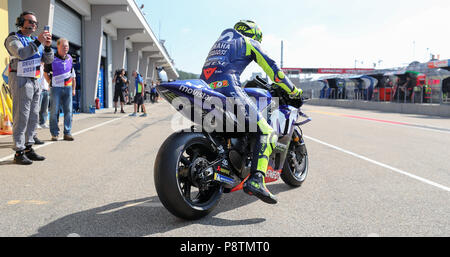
x=60, y=97
x=43, y=103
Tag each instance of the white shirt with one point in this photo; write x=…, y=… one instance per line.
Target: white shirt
x=42, y=81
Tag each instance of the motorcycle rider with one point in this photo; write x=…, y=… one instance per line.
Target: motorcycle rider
x=234, y=50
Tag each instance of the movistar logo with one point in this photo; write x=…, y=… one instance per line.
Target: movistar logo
x=196, y=93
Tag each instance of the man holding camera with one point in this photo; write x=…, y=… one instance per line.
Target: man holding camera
x=26, y=54
x=119, y=89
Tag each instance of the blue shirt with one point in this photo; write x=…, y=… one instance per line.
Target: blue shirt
x=139, y=83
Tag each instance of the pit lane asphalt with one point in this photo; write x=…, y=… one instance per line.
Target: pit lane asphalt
x=101, y=184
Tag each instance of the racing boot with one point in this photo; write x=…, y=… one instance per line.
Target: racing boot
x=255, y=185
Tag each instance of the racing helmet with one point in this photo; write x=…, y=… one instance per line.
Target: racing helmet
x=249, y=29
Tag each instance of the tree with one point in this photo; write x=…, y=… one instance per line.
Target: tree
x=187, y=75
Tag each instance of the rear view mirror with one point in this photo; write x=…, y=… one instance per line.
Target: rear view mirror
x=162, y=75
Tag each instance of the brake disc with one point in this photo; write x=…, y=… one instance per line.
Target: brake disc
x=199, y=171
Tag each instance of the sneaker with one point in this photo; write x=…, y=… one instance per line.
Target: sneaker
x=256, y=186
x=45, y=126
x=133, y=114
x=68, y=137
x=39, y=126
x=54, y=138
x=143, y=115
x=32, y=155
x=21, y=158
x=37, y=141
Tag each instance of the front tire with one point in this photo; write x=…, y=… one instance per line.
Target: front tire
x=174, y=182
x=295, y=167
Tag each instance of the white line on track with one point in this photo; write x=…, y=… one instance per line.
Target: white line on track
x=76, y=133
x=381, y=164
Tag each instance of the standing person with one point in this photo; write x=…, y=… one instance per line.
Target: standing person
x=43, y=106
x=409, y=85
x=144, y=97
x=153, y=93
x=403, y=89
x=139, y=97
x=27, y=53
x=127, y=90
x=119, y=89
x=43, y=101
x=61, y=77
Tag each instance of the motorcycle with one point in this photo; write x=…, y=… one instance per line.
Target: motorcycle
x=194, y=167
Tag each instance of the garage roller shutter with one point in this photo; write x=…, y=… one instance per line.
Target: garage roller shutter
x=67, y=23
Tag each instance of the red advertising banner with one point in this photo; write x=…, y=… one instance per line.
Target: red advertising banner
x=326, y=70
x=343, y=71
x=439, y=64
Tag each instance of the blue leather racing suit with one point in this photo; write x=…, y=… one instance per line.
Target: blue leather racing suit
x=226, y=61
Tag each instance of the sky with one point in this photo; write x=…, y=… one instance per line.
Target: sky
x=315, y=33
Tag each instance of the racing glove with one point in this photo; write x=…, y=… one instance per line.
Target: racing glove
x=297, y=95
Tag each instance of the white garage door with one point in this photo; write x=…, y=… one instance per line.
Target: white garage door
x=67, y=23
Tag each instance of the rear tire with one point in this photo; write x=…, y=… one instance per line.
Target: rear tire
x=173, y=179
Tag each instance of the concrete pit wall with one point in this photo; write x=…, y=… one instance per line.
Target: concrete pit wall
x=442, y=110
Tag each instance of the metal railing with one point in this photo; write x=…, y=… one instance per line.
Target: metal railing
x=415, y=95
x=446, y=98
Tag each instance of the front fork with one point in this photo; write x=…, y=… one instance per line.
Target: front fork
x=298, y=141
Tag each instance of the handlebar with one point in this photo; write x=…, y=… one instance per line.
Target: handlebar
x=261, y=83
x=276, y=91
x=308, y=119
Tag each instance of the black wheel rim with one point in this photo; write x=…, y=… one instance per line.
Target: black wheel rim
x=301, y=159
x=190, y=191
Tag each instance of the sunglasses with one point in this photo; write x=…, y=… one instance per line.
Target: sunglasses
x=33, y=22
